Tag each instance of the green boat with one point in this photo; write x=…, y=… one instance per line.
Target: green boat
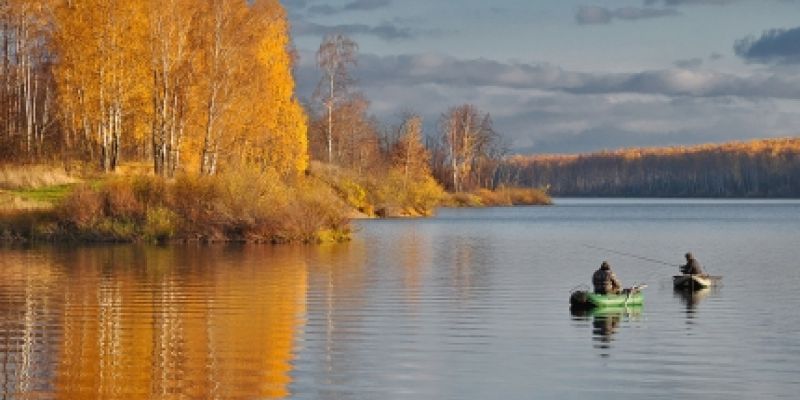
x=629, y=297
x=611, y=311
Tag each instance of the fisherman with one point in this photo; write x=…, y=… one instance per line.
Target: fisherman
x=692, y=266
x=604, y=280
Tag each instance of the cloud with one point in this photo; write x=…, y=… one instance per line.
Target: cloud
x=418, y=69
x=366, y=5
x=689, y=63
x=386, y=31
x=543, y=108
x=587, y=15
x=353, y=6
x=774, y=46
x=295, y=4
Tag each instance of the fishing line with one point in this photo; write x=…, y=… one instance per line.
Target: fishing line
x=622, y=253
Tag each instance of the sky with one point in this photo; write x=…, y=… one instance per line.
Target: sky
x=564, y=76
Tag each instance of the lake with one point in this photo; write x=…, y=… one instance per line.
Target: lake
x=471, y=304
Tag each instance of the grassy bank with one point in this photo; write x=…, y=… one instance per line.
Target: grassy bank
x=501, y=197
x=389, y=194
x=250, y=205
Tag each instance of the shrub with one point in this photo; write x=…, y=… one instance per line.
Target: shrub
x=82, y=208
x=462, y=199
x=27, y=225
x=493, y=198
x=316, y=214
x=512, y=196
x=192, y=199
x=160, y=224
x=120, y=201
x=424, y=196
x=150, y=191
x=527, y=196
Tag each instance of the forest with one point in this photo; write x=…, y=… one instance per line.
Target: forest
x=759, y=168
x=179, y=119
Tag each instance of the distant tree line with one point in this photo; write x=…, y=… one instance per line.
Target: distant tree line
x=762, y=168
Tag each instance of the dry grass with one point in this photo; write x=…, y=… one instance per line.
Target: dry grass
x=16, y=177
x=513, y=196
x=10, y=201
x=249, y=205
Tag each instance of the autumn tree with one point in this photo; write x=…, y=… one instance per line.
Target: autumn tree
x=281, y=139
x=26, y=95
x=467, y=137
x=244, y=108
x=102, y=75
x=170, y=27
x=408, y=183
x=336, y=53
x=222, y=37
x=409, y=154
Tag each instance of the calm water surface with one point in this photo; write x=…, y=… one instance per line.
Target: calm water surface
x=472, y=304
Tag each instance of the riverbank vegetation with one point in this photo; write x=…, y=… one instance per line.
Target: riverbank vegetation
x=178, y=120
x=759, y=168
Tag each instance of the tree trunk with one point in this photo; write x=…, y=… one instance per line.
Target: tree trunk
x=330, y=122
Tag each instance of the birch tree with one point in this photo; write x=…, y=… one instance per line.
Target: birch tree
x=170, y=22
x=467, y=135
x=335, y=55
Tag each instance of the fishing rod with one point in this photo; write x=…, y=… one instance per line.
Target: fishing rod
x=622, y=253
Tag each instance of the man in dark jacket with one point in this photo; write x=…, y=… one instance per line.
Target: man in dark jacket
x=692, y=266
x=604, y=280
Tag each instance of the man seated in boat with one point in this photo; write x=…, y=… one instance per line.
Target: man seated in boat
x=692, y=266
x=604, y=280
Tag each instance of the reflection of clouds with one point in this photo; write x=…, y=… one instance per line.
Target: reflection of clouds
x=154, y=322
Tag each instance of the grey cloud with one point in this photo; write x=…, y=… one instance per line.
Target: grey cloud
x=592, y=15
x=587, y=15
x=543, y=108
x=437, y=69
x=671, y=82
x=774, y=46
x=598, y=124
x=356, y=5
x=689, y=63
x=366, y=5
x=295, y=3
x=715, y=56
x=386, y=31
x=322, y=9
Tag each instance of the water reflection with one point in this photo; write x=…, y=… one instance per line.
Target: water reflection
x=139, y=322
x=692, y=298
x=605, y=323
